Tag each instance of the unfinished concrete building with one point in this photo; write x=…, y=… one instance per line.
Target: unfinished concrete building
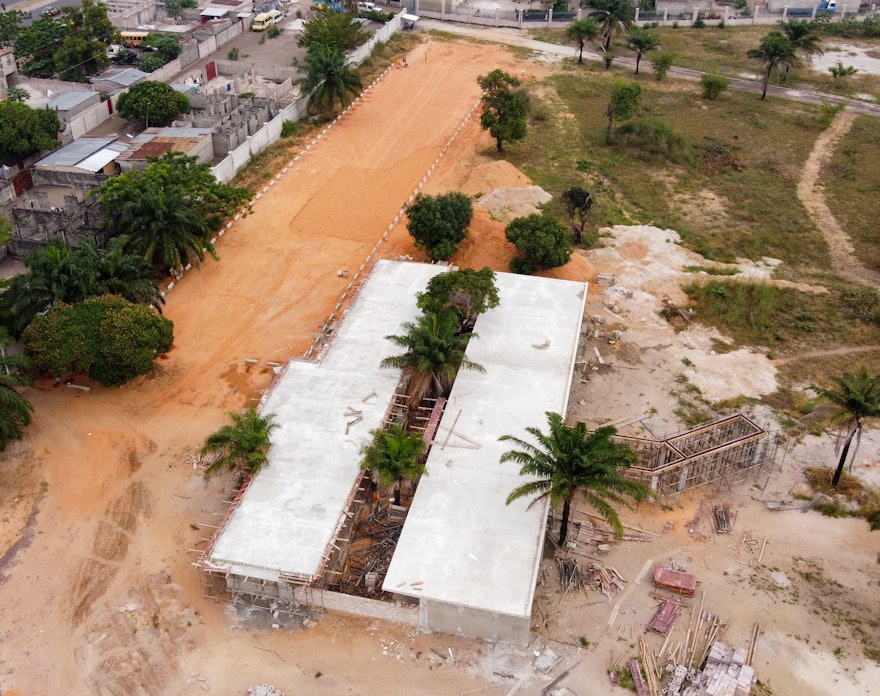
x=723, y=452
x=232, y=119
x=466, y=562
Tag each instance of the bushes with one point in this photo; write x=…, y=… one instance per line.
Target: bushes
x=439, y=223
x=713, y=84
x=541, y=241
x=651, y=139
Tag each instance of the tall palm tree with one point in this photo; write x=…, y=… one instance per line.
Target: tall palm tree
x=858, y=397
x=580, y=32
x=641, y=41
x=15, y=410
x=125, y=274
x=774, y=52
x=570, y=459
x=803, y=38
x=613, y=16
x=395, y=455
x=165, y=226
x=330, y=79
x=242, y=445
x=434, y=351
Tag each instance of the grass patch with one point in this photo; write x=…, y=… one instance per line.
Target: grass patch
x=625, y=679
x=819, y=479
x=713, y=270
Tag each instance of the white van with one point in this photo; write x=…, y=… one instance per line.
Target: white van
x=364, y=7
x=266, y=19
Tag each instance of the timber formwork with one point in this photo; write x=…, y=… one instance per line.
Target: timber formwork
x=723, y=452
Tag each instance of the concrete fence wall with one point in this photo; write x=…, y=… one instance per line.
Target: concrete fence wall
x=371, y=608
x=91, y=118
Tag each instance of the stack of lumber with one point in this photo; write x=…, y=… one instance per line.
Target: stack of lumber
x=675, y=580
x=722, y=519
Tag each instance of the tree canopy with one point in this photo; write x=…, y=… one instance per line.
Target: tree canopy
x=24, y=131
x=153, y=103
x=505, y=108
x=578, y=203
x=395, y=455
x=109, y=338
x=613, y=16
x=542, y=243
x=15, y=410
x=468, y=292
x=333, y=30
x=641, y=41
x=242, y=445
x=774, y=51
x=579, y=32
x=330, y=80
x=623, y=103
x=439, y=223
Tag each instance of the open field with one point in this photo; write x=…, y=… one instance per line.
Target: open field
x=102, y=504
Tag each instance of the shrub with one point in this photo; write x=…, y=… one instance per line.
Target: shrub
x=273, y=31
x=713, y=84
x=541, y=241
x=662, y=63
x=650, y=139
x=439, y=223
x=289, y=128
x=232, y=54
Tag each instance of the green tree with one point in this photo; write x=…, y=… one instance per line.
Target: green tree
x=330, y=80
x=83, y=50
x=662, y=63
x=541, y=241
x=242, y=445
x=803, y=38
x=24, y=131
x=579, y=32
x=567, y=460
x=578, y=203
x=37, y=44
x=439, y=223
x=11, y=24
x=468, y=292
x=713, y=84
x=504, y=108
x=15, y=410
x=333, y=30
x=395, y=455
x=153, y=103
x=623, y=104
x=774, y=52
x=613, y=16
x=434, y=351
x=17, y=94
x=166, y=45
x=108, y=337
x=857, y=396
x=641, y=41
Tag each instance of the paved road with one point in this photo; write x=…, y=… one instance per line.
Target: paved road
x=517, y=37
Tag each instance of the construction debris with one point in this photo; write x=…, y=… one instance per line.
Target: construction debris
x=665, y=616
x=725, y=674
x=593, y=575
x=722, y=520
x=675, y=580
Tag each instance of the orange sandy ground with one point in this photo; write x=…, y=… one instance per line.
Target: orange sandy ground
x=116, y=517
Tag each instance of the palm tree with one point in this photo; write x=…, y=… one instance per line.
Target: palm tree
x=570, y=459
x=580, y=32
x=434, y=352
x=329, y=79
x=242, y=445
x=165, y=227
x=613, y=16
x=394, y=455
x=858, y=397
x=803, y=38
x=15, y=410
x=775, y=50
x=121, y=273
x=641, y=41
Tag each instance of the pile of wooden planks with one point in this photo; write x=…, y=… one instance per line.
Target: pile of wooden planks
x=677, y=581
x=592, y=575
x=722, y=519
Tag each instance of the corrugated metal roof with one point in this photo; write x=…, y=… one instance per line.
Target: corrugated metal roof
x=102, y=158
x=68, y=100
x=71, y=155
x=127, y=77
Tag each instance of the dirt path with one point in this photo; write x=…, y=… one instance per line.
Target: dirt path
x=843, y=350
x=810, y=191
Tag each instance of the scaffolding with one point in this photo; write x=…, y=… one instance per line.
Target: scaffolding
x=723, y=453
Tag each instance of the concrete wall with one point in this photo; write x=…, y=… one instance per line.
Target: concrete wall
x=472, y=623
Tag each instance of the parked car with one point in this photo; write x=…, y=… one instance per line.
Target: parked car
x=51, y=12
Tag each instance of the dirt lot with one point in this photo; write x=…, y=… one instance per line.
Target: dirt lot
x=102, y=507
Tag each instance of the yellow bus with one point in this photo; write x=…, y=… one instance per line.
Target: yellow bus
x=132, y=39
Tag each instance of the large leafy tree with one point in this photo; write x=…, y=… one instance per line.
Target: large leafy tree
x=439, y=223
x=330, y=80
x=641, y=41
x=242, y=445
x=153, y=103
x=613, y=16
x=169, y=210
x=434, y=351
x=857, y=396
x=505, y=107
x=542, y=243
x=468, y=292
x=579, y=32
x=83, y=51
x=11, y=26
x=622, y=104
x=37, y=44
x=333, y=30
x=774, y=52
x=24, y=131
x=578, y=203
x=395, y=455
x=108, y=337
x=567, y=460
x=15, y=410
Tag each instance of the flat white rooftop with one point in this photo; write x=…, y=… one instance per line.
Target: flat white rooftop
x=461, y=544
x=295, y=506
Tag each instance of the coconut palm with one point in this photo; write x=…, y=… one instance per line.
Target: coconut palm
x=570, y=459
x=803, y=38
x=122, y=273
x=434, y=351
x=15, y=410
x=858, y=398
x=394, y=455
x=641, y=41
x=774, y=52
x=242, y=445
x=579, y=32
x=330, y=79
x=612, y=16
